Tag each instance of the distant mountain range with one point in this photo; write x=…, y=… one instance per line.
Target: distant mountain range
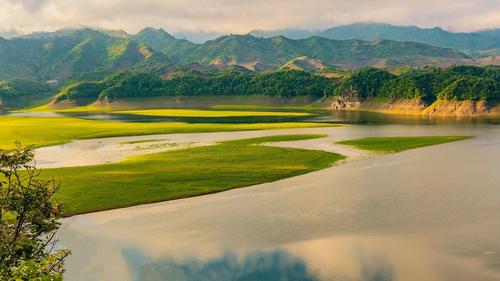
x=72, y=54
x=251, y=52
x=467, y=42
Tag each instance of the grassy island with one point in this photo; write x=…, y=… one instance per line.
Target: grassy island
x=398, y=144
x=185, y=173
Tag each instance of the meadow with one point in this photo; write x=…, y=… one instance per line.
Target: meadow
x=44, y=131
x=184, y=173
x=398, y=144
x=207, y=113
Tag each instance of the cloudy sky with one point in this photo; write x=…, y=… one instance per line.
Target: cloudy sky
x=240, y=16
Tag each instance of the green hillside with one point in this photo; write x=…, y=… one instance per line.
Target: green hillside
x=427, y=84
x=276, y=51
x=455, y=83
x=20, y=92
x=134, y=85
x=71, y=54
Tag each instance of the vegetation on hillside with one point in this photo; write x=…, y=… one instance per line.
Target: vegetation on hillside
x=18, y=92
x=428, y=84
x=17, y=87
x=127, y=85
x=73, y=54
x=276, y=51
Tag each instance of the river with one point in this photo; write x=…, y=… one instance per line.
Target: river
x=425, y=214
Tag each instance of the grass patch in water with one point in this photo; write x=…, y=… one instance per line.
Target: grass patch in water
x=397, y=144
x=44, y=131
x=184, y=173
x=206, y=113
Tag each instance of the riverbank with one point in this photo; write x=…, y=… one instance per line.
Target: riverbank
x=417, y=107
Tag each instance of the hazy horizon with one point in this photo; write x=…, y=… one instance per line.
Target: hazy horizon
x=239, y=17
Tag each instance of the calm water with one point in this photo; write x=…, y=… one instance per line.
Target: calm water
x=343, y=117
x=425, y=214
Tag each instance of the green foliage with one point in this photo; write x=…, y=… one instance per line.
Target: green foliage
x=428, y=84
x=364, y=83
x=28, y=220
x=128, y=84
x=13, y=88
x=468, y=87
x=397, y=144
x=72, y=54
x=276, y=51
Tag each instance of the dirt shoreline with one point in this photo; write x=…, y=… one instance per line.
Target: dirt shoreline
x=416, y=107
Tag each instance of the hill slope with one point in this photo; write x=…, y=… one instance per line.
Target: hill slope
x=73, y=53
x=247, y=50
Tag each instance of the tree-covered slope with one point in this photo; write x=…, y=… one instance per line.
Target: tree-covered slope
x=142, y=85
x=434, y=36
x=20, y=92
x=455, y=83
x=427, y=84
x=70, y=54
x=248, y=50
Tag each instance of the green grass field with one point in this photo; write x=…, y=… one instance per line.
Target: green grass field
x=207, y=113
x=184, y=173
x=263, y=107
x=43, y=131
x=397, y=144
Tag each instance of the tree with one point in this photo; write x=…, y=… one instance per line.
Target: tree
x=28, y=220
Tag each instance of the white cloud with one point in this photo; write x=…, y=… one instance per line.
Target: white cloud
x=237, y=16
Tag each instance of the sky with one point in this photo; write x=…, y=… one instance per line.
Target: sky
x=241, y=16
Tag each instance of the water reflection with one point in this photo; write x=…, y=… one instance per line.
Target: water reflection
x=264, y=266
x=330, y=259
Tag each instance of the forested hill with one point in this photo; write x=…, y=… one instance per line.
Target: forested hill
x=90, y=54
x=74, y=55
x=248, y=51
x=143, y=85
x=455, y=83
x=23, y=92
x=428, y=84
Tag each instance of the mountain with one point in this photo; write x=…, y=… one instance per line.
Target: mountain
x=161, y=41
x=250, y=51
x=197, y=37
x=70, y=54
x=289, y=33
x=73, y=54
x=491, y=32
x=469, y=42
